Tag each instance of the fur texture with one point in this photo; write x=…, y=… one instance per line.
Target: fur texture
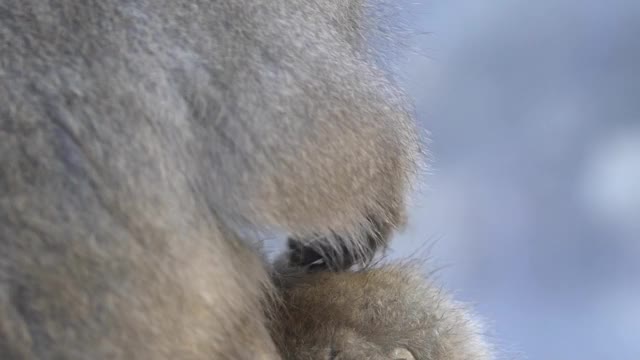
x=138, y=137
x=379, y=313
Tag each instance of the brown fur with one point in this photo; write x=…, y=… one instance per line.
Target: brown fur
x=139, y=139
x=379, y=313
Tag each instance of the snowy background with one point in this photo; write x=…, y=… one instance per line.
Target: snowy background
x=533, y=200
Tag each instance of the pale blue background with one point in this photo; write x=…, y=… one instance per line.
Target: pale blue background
x=534, y=194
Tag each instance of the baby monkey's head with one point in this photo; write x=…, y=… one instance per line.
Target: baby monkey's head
x=387, y=312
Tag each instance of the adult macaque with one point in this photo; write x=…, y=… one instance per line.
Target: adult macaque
x=139, y=139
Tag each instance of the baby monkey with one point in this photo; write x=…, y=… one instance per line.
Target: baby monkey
x=389, y=311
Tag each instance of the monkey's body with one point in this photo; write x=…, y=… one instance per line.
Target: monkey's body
x=389, y=312
x=137, y=137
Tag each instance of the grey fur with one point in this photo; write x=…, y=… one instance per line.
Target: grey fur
x=386, y=312
x=137, y=138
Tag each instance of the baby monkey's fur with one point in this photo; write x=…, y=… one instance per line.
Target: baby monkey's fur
x=384, y=312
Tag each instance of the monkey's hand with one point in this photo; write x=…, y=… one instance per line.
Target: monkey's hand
x=336, y=253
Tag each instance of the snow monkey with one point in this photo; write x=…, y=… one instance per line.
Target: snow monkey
x=142, y=143
x=382, y=312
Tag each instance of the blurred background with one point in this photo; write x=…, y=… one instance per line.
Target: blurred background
x=532, y=202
